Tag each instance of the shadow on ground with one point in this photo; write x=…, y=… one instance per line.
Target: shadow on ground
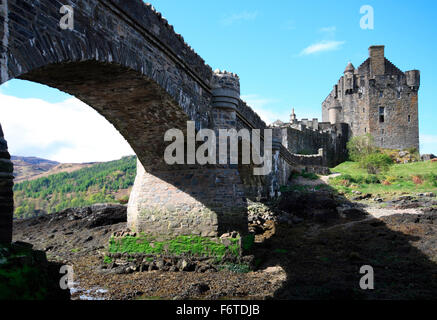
x=322, y=256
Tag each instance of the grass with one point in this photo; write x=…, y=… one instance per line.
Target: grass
x=235, y=267
x=181, y=245
x=20, y=278
x=400, y=178
x=306, y=175
x=352, y=168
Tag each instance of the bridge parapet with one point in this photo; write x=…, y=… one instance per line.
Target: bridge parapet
x=152, y=21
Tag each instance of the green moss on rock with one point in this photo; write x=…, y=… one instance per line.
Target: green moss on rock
x=182, y=245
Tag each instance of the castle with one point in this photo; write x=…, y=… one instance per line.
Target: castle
x=379, y=99
x=376, y=98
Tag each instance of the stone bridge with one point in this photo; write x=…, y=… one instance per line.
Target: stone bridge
x=124, y=60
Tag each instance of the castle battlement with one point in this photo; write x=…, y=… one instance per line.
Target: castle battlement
x=307, y=139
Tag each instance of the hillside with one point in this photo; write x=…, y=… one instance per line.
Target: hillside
x=107, y=182
x=27, y=167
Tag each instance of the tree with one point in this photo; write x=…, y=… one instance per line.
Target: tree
x=360, y=147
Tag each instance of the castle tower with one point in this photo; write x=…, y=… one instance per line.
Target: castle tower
x=377, y=60
x=349, y=81
x=377, y=98
x=293, y=117
x=334, y=113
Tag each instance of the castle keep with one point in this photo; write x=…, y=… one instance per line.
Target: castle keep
x=379, y=99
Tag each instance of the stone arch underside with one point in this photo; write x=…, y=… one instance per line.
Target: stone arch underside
x=127, y=63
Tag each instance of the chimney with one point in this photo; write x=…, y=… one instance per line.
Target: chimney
x=377, y=60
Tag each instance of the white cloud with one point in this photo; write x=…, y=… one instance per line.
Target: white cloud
x=261, y=107
x=428, y=144
x=69, y=131
x=242, y=16
x=322, y=46
x=328, y=29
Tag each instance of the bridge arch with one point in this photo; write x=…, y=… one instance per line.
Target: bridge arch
x=125, y=61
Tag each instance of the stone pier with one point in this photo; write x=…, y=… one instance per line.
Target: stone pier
x=6, y=193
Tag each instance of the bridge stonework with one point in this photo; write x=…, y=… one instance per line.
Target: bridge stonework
x=125, y=61
x=6, y=196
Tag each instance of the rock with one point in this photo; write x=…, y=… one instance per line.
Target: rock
x=173, y=269
x=428, y=157
x=106, y=214
x=199, y=288
x=363, y=197
x=202, y=268
x=185, y=265
x=90, y=238
x=22, y=245
x=354, y=213
x=403, y=153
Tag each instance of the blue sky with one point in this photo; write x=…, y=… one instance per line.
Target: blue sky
x=290, y=53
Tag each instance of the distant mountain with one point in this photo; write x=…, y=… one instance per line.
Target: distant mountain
x=31, y=168
x=26, y=167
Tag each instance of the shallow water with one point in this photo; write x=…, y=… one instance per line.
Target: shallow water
x=78, y=293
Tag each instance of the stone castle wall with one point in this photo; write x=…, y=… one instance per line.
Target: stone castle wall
x=307, y=141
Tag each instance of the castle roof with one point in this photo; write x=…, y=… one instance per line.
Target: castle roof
x=390, y=68
x=349, y=67
x=278, y=123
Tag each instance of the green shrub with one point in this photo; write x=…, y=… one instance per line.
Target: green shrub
x=309, y=175
x=431, y=178
x=372, y=179
x=376, y=163
x=360, y=146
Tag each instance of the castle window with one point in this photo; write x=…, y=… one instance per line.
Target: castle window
x=381, y=94
x=382, y=131
x=381, y=114
x=409, y=118
x=365, y=130
x=364, y=110
x=399, y=95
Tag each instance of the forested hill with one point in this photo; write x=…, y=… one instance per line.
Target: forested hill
x=100, y=183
